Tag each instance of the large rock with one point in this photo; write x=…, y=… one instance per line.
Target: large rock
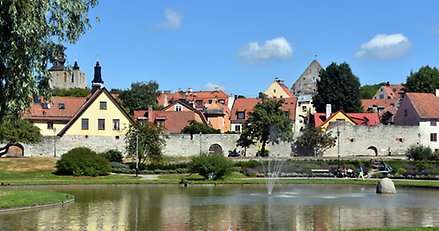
x=386, y=186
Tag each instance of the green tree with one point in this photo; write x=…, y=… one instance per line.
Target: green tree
x=148, y=139
x=313, y=141
x=195, y=127
x=368, y=91
x=72, y=92
x=268, y=123
x=32, y=32
x=17, y=130
x=340, y=88
x=140, y=96
x=421, y=152
x=425, y=80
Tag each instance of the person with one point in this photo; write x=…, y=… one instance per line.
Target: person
x=361, y=173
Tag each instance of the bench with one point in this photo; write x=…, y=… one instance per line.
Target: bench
x=321, y=172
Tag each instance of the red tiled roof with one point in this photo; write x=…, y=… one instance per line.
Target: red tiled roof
x=246, y=105
x=193, y=96
x=426, y=104
x=368, y=103
x=54, y=112
x=175, y=121
x=393, y=90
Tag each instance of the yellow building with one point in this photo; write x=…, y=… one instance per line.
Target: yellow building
x=324, y=120
x=98, y=115
x=277, y=89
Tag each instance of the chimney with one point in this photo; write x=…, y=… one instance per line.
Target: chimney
x=436, y=92
x=167, y=92
x=328, y=110
x=180, y=90
x=150, y=119
x=189, y=90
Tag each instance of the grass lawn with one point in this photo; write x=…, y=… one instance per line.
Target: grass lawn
x=11, y=198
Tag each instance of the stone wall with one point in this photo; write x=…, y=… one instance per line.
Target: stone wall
x=354, y=141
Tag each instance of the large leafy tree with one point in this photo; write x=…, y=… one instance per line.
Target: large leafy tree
x=140, y=96
x=425, y=80
x=339, y=87
x=15, y=130
x=313, y=141
x=268, y=123
x=32, y=32
x=147, y=140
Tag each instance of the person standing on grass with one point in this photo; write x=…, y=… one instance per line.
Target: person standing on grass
x=361, y=173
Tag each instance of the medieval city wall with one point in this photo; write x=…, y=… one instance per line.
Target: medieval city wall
x=354, y=141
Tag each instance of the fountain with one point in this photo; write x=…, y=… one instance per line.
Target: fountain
x=272, y=168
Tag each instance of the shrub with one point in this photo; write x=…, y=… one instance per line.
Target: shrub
x=420, y=152
x=82, y=162
x=212, y=167
x=112, y=155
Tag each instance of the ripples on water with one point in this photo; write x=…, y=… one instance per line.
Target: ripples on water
x=290, y=207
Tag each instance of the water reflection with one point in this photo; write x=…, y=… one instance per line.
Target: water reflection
x=290, y=207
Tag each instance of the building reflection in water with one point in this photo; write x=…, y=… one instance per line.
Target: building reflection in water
x=228, y=208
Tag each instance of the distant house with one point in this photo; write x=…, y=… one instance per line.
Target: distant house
x=362, y=119
x=389, y=91
x=173, y=118
x=382, y=107
x=243, y=106
x=277, y=89
x=218, y=116
x=97, y=115
x=195, y=99
x=421, y=109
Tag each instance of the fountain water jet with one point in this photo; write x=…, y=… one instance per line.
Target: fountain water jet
x=272, y=169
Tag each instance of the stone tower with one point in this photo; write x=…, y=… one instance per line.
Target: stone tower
x=306, y=84
x=64, y=78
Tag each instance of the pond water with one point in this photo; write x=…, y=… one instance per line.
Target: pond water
x=229, y=207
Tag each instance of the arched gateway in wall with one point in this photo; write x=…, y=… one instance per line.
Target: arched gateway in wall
x=216, y=149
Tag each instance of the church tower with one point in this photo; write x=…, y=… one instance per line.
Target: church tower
x=64, y=78
x=97, y=82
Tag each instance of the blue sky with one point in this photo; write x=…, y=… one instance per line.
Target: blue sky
x=241, y=46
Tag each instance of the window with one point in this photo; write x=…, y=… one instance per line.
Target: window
x=433, y=123
x=160, y=123
x=287, y=113
x=381, y=96
x=405, y=113
x=84, y=124
x=221, y=101
x=304, y=108
x=49, y=125
x=199, y=103
x=103, y=105
x=274, y=90
x=45, y=105
x=61, y=106
x=101, y=124
x=241, y=115
x=433, y=137
x=340, y=120
x=238, y=128
x=116, y=124
x=178, y=108
x=210, y=101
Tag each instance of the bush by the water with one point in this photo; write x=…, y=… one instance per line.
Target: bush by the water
x=421, y=152
x=112, y=155
x=83, y=162
x=212, y=166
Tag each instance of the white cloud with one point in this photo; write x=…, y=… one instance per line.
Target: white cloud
x=385, y=46
x=213, y=86
x=174, y=19
x=277, y=48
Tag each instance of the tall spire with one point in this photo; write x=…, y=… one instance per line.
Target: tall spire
x=97, y=82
